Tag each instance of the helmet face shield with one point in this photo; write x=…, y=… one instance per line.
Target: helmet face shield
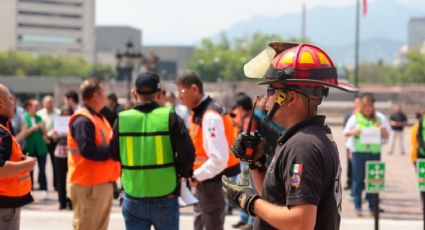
x=258, y=66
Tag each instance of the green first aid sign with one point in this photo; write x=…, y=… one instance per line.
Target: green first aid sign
x=375, y=176
x=420, y=169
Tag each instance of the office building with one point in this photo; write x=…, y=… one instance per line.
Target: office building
x=48, y=27
x=416, y=33
x=111, y=39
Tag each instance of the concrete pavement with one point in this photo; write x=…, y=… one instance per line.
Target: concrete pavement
x=49, y=220
x=400, y=201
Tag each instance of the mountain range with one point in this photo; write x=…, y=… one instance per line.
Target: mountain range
x=383, y=30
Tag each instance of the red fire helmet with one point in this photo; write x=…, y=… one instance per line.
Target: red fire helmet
x=297, y=64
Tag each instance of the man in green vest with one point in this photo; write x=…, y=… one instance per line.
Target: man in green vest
x=155, y=151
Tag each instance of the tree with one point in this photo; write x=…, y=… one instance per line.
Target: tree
x=15, y=63
x=376, y=73
x=225, y=58
x=414, y=70
x=24, y=64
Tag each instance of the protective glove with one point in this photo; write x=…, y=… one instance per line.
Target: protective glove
x=240, y=195
x=249, y=148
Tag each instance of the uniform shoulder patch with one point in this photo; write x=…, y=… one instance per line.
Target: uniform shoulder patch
x=295, y=180
x=296, y=168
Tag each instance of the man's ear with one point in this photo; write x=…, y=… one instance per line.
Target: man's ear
x=159, y=94
x=194, y=88
x=134, y=94
x=291, y=98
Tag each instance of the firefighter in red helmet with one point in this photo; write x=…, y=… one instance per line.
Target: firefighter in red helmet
x=300, y=188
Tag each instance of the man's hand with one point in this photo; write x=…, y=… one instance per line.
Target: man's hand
x=385, y=134
x=240, y=195
x=248, y=148
x=357, y=132
x=12, y=168
x=55, y=136
x=193, y=182
x=29, y=162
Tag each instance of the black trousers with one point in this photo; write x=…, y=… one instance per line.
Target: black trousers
x=42, y=178
x=61, y=170
x=51, y=148
x=349, y=169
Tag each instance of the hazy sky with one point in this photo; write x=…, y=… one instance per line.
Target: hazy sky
x=185, y=22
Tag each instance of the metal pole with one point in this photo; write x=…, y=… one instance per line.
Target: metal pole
x=303, y=22
x=377, y=212
x=129, y=73
x=423, y=207
x=356, y=51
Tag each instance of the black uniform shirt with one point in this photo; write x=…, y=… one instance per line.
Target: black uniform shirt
x=398, y=117
x=306, y=170
x=5, y=153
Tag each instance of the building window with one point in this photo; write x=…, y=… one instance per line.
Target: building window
x=54, y=27
x=48, y=39
x=48, y=14
x=52, y=2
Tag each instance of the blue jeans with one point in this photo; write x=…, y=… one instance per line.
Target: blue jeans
x=358, y=162
x=141, y=214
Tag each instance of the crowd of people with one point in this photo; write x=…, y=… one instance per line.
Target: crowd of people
x=277, y=162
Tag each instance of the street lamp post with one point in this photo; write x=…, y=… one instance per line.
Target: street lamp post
x=217, y=67
x=356, y=45
x=128, y=63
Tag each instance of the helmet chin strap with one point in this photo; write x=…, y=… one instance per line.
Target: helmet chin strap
x=278, y=102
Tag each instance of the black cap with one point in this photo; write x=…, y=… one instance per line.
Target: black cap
x=147, y=83
x=243, y=101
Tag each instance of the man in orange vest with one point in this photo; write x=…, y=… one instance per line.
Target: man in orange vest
x=91, y=169
x=208, y=132
x=15, y=167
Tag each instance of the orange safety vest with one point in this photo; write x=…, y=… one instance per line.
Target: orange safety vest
x=86, y=172
x=20, y=184
x=195, y=132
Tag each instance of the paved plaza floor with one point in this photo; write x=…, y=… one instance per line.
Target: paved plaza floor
x=400, y=200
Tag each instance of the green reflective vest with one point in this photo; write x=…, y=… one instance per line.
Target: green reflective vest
x=146, y=153
x=362, y=122
x=421, y=138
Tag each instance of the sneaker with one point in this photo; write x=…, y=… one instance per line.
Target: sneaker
x=45, y=196
x=350, y=197
x=359, y=213
x=246, y=227
x=238, y=224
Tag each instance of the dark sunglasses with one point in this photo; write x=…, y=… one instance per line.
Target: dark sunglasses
x=271, y=91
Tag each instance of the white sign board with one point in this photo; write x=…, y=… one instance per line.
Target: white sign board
x=370, y=135
x=60, y=124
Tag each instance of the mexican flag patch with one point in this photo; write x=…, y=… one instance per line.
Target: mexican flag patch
x=296, y=168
